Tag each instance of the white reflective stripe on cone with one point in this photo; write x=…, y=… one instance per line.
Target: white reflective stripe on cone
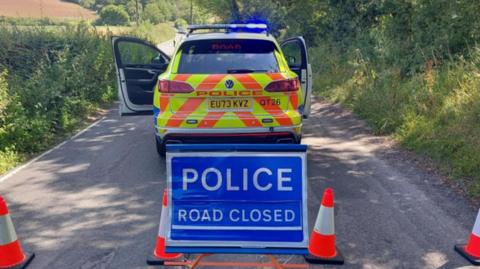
x=324, y=223
x=163, y=223
x=476, y=227
x=7, y=231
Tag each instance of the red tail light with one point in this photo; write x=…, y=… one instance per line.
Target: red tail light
x=171, y=86
x=287, y=85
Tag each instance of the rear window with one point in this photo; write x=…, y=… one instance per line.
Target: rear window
x=227, y=56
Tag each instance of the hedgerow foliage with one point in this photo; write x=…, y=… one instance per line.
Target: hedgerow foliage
x=50, y=81
x=410, y=68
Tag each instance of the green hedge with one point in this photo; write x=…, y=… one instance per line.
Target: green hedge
x=50, y=81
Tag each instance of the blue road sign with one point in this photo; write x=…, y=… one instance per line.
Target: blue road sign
x=237, y=196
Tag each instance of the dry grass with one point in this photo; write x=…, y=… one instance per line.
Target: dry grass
x=44, y=8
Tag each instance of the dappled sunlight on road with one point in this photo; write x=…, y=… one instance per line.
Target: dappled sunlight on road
x=95, y=201
x=88, y=196
x=385, y=206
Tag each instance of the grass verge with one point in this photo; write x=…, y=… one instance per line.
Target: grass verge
x=434, y=112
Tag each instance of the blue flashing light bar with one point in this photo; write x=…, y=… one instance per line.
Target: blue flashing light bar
x=238, y=27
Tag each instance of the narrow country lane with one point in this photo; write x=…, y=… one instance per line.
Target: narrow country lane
x=95, y=201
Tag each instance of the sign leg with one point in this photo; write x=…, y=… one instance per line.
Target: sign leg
x=275, y=262
x=197, y=261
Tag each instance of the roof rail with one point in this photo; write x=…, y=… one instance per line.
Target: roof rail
x=243, y=27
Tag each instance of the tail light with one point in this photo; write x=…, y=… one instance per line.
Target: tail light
x=171, y=86
x=287, y=85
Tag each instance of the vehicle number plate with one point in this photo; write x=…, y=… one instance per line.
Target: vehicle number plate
x=230, y=104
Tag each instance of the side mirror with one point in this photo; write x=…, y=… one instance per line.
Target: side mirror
x=158, y=60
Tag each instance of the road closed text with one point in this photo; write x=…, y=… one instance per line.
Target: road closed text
x=235, y=215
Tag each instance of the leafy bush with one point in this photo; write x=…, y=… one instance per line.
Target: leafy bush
x=158, y=12
x=434, y=111
x=50, y=81
x=410, y=68
x=113, y=15
x=180, y=23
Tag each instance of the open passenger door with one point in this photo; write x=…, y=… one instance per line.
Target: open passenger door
x=138, y=65
x=295, y=52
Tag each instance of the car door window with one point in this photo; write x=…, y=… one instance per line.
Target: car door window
x=138, y=54
x=138, y=65
x=293, y=53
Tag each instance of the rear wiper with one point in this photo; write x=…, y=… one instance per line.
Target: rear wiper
x=241, y=71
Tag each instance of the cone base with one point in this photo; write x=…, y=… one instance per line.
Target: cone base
x=154, y=260
x=28, y=259
x=338, y=259
x=461, y=250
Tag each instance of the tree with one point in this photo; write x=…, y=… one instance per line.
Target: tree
x=248, y=10
x=113, y=15
x=153, y=14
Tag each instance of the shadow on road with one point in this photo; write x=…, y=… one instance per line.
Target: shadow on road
x=95, y=202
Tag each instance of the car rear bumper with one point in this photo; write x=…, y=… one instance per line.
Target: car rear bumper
x=284, y=135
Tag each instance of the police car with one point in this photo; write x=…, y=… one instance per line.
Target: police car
x=229, y=83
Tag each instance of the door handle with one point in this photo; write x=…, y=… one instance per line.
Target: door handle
x=151, y=72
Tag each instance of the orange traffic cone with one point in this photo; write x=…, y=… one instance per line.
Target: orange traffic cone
x=471, y=251
x=11, y=253
x=321, y=247
x=159, y=255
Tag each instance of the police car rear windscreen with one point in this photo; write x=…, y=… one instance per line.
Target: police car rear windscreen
x=227, y=56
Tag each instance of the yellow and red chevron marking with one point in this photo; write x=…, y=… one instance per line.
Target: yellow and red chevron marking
x=294, y=100
x=184, y=111
x=182, y=77
x=248, y=82
x=249, y=119
x=277, y=113
x=164, y=99
x=176, y=108
x=276, y=76
x=211, y=119
x=210, y=82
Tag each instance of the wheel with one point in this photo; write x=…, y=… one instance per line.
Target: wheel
x=161, y=149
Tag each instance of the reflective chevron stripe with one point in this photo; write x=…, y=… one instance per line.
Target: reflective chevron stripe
x=249, y=119
x=174, y=109
x=162, y=229
x=182, y=77
x=7, y=230
x=476, y=226
x=325, y=221
x=210, y=82
x=248, y=82
x=276, y=76
x=211, y=119
x=184, y=111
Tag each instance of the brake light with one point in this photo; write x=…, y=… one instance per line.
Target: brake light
x=171, y=86
x=287, y=85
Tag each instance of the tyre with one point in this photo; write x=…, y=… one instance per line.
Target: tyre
x=161, y=148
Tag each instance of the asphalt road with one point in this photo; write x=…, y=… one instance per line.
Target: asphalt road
x=95, y=201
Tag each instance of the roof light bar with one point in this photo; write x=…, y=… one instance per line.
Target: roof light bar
x=247, y=27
